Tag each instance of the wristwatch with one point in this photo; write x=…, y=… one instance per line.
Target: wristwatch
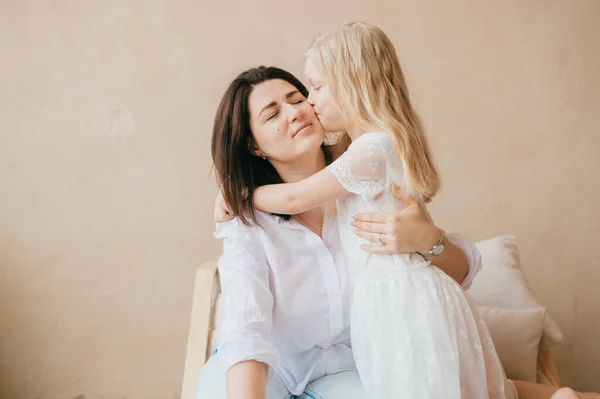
x=438, y=247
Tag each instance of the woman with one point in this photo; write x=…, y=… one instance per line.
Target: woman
x=285, y=284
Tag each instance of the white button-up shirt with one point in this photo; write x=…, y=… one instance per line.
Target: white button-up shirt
x=286, y=297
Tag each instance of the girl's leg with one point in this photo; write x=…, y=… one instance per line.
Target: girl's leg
x=345, y=384
x=531, y=390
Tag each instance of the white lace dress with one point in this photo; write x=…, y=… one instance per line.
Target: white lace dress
x=415, y=333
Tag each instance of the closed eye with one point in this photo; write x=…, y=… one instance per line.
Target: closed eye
x=273, y=115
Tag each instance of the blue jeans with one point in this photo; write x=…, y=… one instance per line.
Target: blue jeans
x=344, y=385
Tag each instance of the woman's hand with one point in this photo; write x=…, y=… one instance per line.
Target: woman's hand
x=410, y=230
x=222, y=213
x=405, y=231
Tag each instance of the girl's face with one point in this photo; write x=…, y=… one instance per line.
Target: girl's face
x=321, y=98
x=283, y=123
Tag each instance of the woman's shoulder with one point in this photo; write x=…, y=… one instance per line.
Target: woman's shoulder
x=237, y=228
x=245, y=246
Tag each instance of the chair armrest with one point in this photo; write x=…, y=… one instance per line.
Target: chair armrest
x=199, y=327
x=547, y=366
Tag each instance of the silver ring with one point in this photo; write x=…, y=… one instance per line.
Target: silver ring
x=379, y=239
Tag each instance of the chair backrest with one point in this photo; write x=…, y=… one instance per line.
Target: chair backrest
x=205, y=288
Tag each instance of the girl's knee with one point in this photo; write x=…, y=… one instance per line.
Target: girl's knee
x=565, y=393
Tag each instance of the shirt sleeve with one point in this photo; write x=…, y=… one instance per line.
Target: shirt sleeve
x=472, y=254
x=247, y=300
x=362, y=168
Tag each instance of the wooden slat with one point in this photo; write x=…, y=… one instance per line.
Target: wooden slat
x=199, y=327
x=547, y=367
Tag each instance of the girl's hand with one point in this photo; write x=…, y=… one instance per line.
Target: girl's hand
x=222, y=213
x=406, y=231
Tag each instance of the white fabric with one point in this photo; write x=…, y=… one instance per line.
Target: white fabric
x=501, y=275
x=516, y=334
x=414, y=330
x=286, y=298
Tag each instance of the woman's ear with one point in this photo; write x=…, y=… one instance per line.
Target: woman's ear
x=254, y=150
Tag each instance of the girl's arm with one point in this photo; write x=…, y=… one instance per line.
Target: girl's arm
x=294, y=198
x=360, y=170
x=222, y=212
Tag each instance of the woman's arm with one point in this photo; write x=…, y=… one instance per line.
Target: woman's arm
x=247, y=380
x=411, y=230
x=452, y=261
x=246, y=349
x=294, y=198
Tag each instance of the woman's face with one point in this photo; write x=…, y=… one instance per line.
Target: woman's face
x=321, y=99
x=283, y=123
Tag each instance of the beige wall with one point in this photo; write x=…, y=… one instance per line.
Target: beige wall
x=106, y=201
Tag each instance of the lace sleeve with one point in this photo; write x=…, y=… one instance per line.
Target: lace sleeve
x=362, y=168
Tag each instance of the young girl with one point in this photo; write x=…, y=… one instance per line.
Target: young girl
x=415, y=333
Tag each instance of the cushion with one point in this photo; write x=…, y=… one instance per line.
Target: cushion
x=501, y=283
x=516, y=334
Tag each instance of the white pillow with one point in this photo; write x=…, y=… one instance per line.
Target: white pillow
x=501, y=284
x=516, y=334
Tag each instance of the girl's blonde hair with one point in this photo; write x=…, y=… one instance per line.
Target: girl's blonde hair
x=365, y=78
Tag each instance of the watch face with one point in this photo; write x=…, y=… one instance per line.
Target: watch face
x=438, y=249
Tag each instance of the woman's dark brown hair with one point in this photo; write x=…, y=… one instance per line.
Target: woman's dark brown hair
x=239, y=172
